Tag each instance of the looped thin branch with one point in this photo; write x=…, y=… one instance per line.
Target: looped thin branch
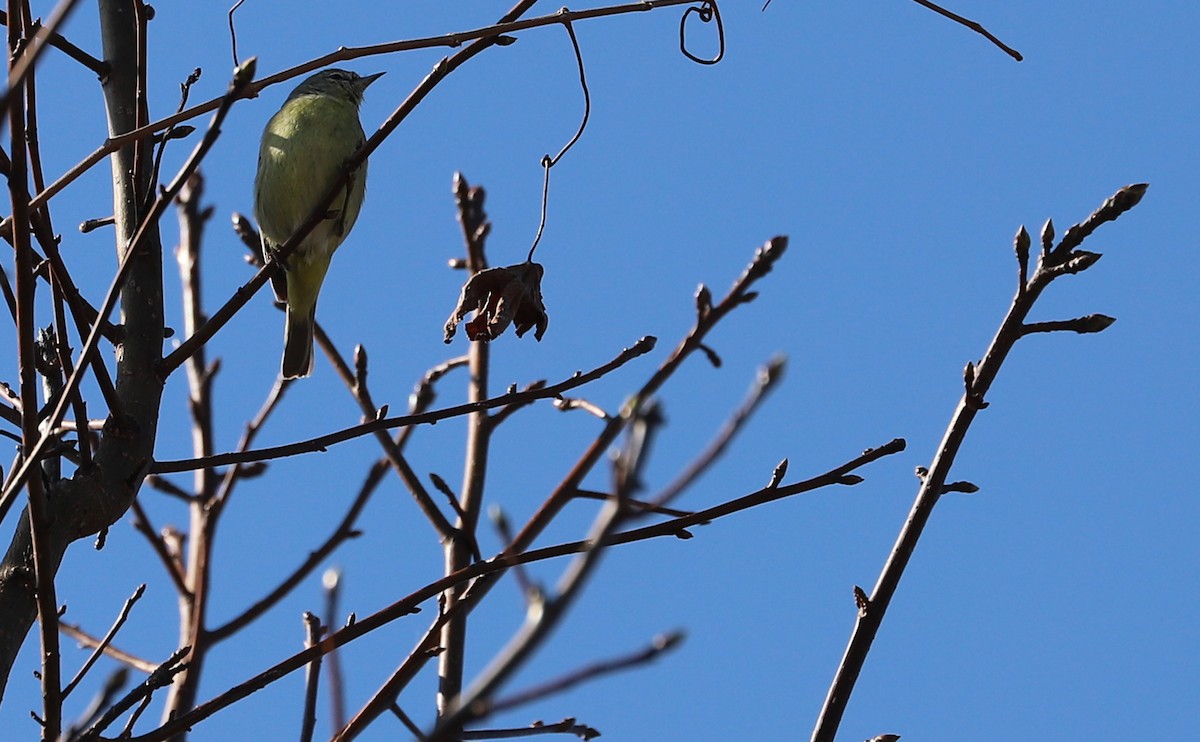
x=707, y=11
x=548, y=161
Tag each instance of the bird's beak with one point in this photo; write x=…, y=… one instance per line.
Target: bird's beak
x=364, y=82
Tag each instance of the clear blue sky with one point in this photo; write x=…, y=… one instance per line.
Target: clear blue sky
x=901, y=153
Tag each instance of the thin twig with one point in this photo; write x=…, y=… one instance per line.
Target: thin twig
x=204, y=508
x=160, y=677
x=137, y=714
x=977, y=28
x=632, y=504
x=62, y=44
x=766, y=379
x=331, y=584
x=762, y=263
x=429, y=645
x=659, y=646
x=567, y=726
x=542, y=617
x=321, y=443
x=43, y=231
x=141, y=522
x=342, y=533
x=102, y=646
x=407, y=721
x=87, y=640
x=499, y=521
x=102, y=700
x=356, y=384
x=312, y=677
x=540, y=621
x=166, y=486
x=504, y=413
x=20, y=67
x=566, y=404
x=37, y=512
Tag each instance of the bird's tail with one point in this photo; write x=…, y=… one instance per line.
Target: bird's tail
x=298, y=343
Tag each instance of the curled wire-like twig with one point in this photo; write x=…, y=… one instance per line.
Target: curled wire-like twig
x=233, y=31
x=707, y=11
x=548, y=161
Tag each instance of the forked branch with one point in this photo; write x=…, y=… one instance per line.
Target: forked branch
x=1052, y=263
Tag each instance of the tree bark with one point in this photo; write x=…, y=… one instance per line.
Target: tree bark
x=96, y=497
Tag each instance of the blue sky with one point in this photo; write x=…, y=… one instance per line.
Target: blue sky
x=900, y=153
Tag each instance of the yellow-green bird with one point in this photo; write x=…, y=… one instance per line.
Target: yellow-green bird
x=302, y=153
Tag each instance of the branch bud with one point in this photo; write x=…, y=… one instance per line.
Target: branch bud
x=1047, y=236
x=1021, y=247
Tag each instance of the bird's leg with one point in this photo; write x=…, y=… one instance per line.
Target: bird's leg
x=272, y=255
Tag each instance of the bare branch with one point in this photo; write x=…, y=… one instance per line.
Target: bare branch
x=658, y=647
x=342, y=533
x=170, y=562
x=37, y=517
x=320, y=443
x=493, y=567
x=356, y=384
x=974, y=26
x=933, y=480
x=766, y=379
x=87, y=640
x=102, y=645
x=331, y=584
x=43, y=36
x=35, y=452
x=566, y=726
x=74, y=52
x=312, y=635
x=161, y=676
x=1082, y=325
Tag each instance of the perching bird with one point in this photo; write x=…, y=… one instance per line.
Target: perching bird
x=303, y=150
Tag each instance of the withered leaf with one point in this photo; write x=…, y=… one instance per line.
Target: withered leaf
x=511, y=295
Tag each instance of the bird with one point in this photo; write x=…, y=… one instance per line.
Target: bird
x=304, y=149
